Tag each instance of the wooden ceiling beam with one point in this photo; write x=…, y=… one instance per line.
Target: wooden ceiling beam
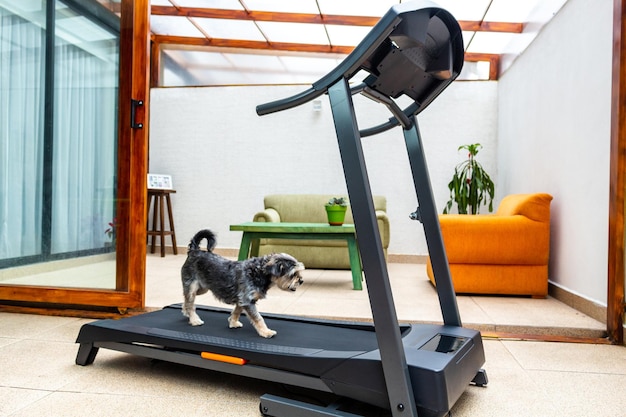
x=243, y=44
x=493, y=59
x=467, y=25
x=501, y=27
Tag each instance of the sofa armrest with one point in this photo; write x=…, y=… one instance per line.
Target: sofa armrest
x=383, y=227
x=489, y=239
x=268, y=215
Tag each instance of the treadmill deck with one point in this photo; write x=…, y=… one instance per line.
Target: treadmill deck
x=328, y=356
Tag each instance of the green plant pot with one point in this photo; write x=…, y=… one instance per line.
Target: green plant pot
x=336, y=215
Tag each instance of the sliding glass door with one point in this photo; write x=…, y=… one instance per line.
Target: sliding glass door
x=58, y=89
x=22, y=95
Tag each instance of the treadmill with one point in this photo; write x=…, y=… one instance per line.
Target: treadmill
x=414, y=51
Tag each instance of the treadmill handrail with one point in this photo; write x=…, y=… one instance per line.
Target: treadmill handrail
x=383, y=26
x=354, y=62
x=289, y=102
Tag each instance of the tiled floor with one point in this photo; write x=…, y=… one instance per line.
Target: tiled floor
x=38, y=376
x=329, y=293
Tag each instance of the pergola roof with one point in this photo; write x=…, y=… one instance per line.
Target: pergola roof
x=239, y=41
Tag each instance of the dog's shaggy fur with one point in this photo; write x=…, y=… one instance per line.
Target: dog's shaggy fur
x=241, y=283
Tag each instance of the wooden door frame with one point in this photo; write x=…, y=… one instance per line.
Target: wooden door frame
x=132, y=185
x=616, y=270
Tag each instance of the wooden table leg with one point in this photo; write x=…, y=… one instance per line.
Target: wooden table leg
x=355, y=263
x=255, y=245
x=171, y=220
x=244, y=248
x=162, y=224
x=155, y=212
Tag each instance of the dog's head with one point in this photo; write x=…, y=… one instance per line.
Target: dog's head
x=285, y=271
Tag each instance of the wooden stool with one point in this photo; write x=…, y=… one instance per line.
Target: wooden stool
x=158, y=229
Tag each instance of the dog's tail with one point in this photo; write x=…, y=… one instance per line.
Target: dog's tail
x=203, y=234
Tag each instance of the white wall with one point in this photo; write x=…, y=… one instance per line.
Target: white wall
x=550, y=113
x=224, y=158
x=554, y=136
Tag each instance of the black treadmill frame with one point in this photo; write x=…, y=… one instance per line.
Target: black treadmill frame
x=369, y=55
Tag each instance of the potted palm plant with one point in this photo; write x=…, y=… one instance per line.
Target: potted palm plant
x=336, y=210
x=470, y=186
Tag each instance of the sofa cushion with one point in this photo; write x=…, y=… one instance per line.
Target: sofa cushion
x=534, y=206
x=498, y=240
x=309, y=208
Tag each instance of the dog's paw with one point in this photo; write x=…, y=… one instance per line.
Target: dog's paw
x=196, y=321
x=268, y=333
x=234, y=324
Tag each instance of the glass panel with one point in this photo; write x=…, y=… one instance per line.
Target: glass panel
x=174, y=25
x=83, y=190
x=300, y=6
x=215, y=67
x=85, y=132
x=233, y=29
x=22, y=39
x=58, y=195
x=356, y=7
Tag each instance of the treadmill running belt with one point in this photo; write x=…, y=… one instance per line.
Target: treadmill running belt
x=300, y=343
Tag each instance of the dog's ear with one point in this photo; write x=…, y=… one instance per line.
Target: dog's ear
x=282, y=264
x=277, y=266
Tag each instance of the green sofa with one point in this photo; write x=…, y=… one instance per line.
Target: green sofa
x=309, y=208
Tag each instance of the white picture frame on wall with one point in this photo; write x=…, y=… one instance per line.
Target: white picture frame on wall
x=160, y=182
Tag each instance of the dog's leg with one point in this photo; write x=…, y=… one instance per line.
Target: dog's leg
x=233, y=320
x=258, y=322
x=189, y=306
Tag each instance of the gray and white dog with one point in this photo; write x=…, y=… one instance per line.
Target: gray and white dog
x=241, y=283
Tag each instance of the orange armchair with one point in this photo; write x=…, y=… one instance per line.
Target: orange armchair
x=503, y=253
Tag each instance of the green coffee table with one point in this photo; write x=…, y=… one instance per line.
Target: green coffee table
x=253, y=231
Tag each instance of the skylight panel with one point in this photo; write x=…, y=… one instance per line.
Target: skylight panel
x=532, y=13
x=283, y=6
x=230, y=29
x=213, y=4
x=510, y=11
x=308, y=33
x=173, y=25
x=356, y=7
x=468, y=9
x=346, y=35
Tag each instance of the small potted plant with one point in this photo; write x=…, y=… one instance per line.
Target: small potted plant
x=336, y=210
x=470, y=186
x=110, y=232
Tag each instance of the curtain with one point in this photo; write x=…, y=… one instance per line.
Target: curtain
x=84, y=136
x=21, y=135
x=84, y=143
